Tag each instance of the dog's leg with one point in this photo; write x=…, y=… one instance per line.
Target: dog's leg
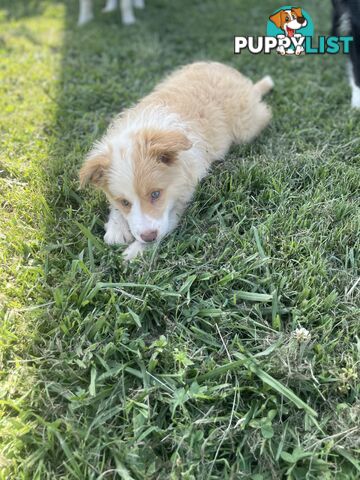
x=110, y=6
x=259, y=115
x=117, y=229
x=127, y=12
x=355, y=95
x=85, y=12
x=139, y=4
x=133, y=250
x=249, y=116
x=354, y=69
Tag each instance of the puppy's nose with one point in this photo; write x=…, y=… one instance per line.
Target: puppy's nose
x=301, y=20
x=149, y=236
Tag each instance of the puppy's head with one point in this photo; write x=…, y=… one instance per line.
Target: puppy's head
x=142, y=176
x=289, y=20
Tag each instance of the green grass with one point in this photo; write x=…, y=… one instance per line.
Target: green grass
x=182, y=364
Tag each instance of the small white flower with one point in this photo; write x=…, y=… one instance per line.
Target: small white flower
x=301, y=335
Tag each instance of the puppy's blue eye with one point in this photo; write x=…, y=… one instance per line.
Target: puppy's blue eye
x=155, y=195
x=126, y=203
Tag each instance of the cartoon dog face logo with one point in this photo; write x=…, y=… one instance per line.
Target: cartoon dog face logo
x=289, y=20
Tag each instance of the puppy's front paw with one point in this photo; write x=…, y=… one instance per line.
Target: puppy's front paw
x=115, y=237
x=107, y=9
x=116, y=234
x=133, y=250
x=128, y=18
x=85, y=18
x=111, y=6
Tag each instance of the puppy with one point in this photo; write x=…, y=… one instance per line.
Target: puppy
x=289, y=21
x=346, y=21
x=153, y=155
x=126, y=7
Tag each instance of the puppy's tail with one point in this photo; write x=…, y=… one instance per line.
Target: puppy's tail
x=264, y=85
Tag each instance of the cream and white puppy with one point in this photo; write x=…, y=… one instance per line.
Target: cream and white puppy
x=153, y=155
x=126, y=7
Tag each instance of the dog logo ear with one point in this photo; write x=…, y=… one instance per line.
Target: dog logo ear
x=94, y=169
x=276, y=18
x=297, y=11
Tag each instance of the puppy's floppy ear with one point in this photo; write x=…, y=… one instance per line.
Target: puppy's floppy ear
x=297, y=11
x=166, y=144
x=94, y=169
x=276, y=18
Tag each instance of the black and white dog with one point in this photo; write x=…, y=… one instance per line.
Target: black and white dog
x=346, y=21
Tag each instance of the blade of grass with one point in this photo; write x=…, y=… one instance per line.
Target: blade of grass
x=344, y=453
x=228, y=367
x=277, y=386
x=265, y=377
x=114, y=286
x=68, y=453
x=90, y=236
x=252, y=296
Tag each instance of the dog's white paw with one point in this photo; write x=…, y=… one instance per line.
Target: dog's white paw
x=139, y=3
x=85, y=18
x=133, y=250
x=107, y=9
x=116, y=237
x=110, y=6
x=117, y=230
x=355, y=98
x=128, y=18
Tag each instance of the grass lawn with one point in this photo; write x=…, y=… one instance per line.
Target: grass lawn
x=183, y=364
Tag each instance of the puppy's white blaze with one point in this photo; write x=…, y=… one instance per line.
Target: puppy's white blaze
x=121, y=177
